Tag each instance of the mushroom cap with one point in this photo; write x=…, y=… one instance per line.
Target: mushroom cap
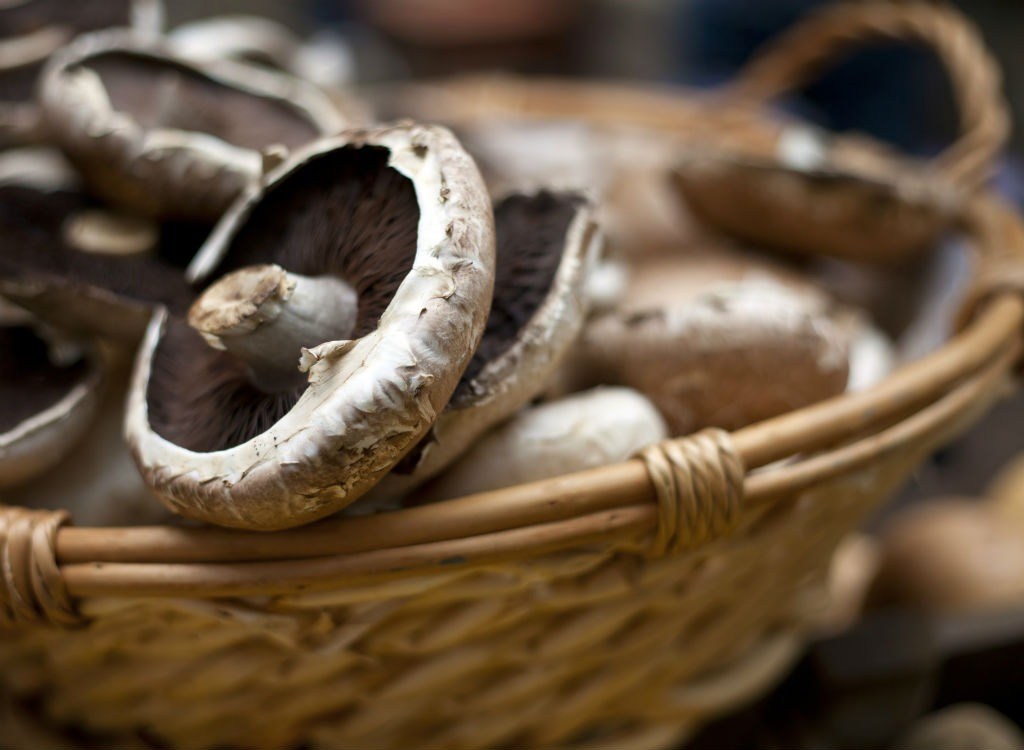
x=716, y=342
x=950, y=555
x=168, y=137
x=583, y=431
x=63, y=258
x=32, y=31
x=98, y=482
x=547, y=244
x=811, y=193
x=45, y=408
x=416, y=239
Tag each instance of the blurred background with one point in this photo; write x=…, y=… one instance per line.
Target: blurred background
x=694, y=42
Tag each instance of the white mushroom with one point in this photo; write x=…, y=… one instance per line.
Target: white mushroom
x=230, y=436
x=583, y=431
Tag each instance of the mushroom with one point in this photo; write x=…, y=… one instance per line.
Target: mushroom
x=49, y=392
x=816, y=194
x=32, y=30
x=962, y=726
x=98, y=482
x=171, y=138
x=82, y=268
x=547, y=243
x=715, y=340
x=288, y=404
x=948, y=556
x=598, y=427
x=325, y=60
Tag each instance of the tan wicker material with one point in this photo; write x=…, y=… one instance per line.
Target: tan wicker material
x=618, y=607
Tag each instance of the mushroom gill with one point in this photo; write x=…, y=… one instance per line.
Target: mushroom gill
x=55, y=262
x=29, y=381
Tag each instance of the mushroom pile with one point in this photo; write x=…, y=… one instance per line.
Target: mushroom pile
x=265, y=306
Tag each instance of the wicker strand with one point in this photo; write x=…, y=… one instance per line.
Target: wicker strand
x=32, y=589
x=698, y=484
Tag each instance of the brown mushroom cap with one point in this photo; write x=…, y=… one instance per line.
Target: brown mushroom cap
x=950, y=555
x=811, y=193
x=167, y=137
x=32, y=30
x=722, y=352
x=547, y=243
x=63, y=257
x=45, y=407
x=401, y=214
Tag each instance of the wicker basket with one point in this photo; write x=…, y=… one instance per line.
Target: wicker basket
x=618, y=607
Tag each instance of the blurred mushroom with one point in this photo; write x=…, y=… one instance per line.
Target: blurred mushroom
x=962, y=726
x=80, y=267
x=716, y=340
x=583, y=431
x=98, y=482
x=1006, y=492
x=49, y=392
x=546, y=244
x=172, y=138
x=950, y=555
x=366, y=262
x=815, y=194
x=32, y=30
x=325, y=60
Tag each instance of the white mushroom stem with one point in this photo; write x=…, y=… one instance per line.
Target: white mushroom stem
x=265, y=316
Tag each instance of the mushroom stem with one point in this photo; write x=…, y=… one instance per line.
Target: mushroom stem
x=265, y=316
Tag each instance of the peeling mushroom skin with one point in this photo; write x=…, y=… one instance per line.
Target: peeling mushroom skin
x=45, y=407
x=167, y=137
x=398, y=212
x=547, y=244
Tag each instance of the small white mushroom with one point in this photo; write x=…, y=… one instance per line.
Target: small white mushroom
x=583, y=431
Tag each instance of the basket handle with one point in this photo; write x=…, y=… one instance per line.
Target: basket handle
x=800, y=54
